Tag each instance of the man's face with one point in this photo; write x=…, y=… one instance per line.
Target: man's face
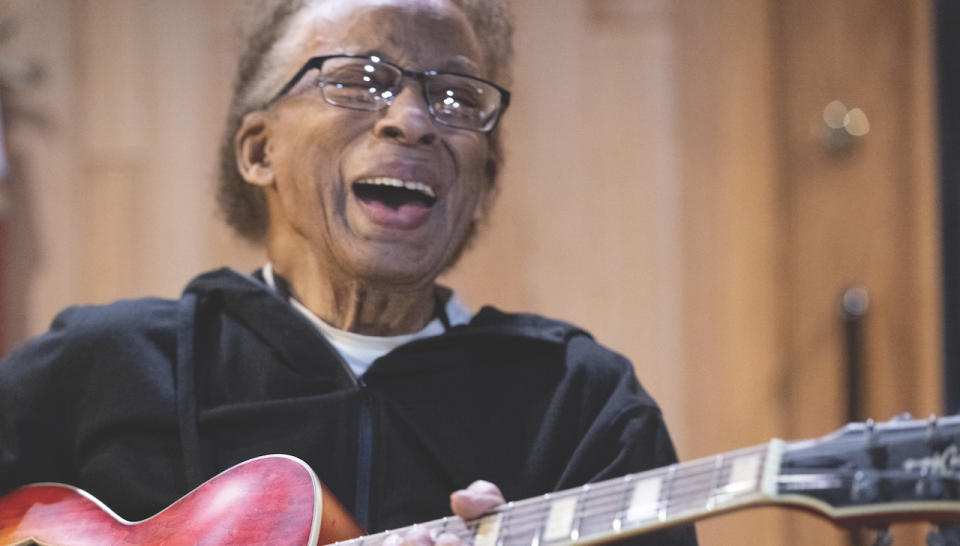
x=334, y=170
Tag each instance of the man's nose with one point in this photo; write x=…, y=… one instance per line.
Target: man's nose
x=408, y=119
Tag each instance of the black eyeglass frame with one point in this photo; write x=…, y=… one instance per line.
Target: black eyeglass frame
x=317, y=63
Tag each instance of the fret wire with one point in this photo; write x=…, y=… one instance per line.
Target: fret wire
x=535, y=513
x=538, y=528
x=695, y=474
x=702, y=465
x=472, y=527
x=756, y=478
x=718, y=469
x=755, y=488
x=616, y=483
x=466, y=534
x=577, y=513
x=603, y=509
x=505, y=524
x=679, y=497
x=618, y=521
x=433, y=528
x=621, y=486
x=618, y=486
x=683, y=496
x=662, y=507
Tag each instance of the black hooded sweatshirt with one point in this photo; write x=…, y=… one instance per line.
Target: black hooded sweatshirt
x=140, y=401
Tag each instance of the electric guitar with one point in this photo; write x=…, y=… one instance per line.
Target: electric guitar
x=863, y=474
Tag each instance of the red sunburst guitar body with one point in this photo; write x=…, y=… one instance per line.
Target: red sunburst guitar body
x=269, y=500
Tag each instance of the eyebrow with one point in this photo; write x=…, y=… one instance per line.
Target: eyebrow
x=457, y=63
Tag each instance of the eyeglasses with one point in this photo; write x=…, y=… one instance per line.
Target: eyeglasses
x=370, y=84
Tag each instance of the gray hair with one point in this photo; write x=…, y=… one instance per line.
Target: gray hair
x=244, y=205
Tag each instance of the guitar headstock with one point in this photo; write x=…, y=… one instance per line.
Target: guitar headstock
x=874, y=473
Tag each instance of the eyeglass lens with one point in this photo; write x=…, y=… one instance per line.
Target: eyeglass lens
x=363, y=84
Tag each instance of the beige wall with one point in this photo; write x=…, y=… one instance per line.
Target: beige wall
x=685, y=211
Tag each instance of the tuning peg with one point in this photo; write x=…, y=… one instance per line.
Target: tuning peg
x=930, y=486
x=931, y=428
x=876, y=449
x=865, y=487
x=934, y=437
x=944, y=535
x=871, y=429
x=884, y=538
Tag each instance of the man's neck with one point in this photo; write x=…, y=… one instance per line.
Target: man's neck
x=355, y=306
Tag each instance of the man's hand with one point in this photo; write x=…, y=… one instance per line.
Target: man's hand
x=478, y=498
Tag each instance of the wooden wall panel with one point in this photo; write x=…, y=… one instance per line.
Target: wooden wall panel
x=114, y=182
x=731, y=243
x=41, y=261
x=587, y=224
x=865, y=215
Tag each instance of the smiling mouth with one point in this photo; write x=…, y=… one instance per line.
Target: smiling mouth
x=394, y=193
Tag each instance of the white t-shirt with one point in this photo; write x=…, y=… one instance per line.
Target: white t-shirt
x=359, y=351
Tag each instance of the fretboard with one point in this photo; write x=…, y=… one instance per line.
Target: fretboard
x=620, y=507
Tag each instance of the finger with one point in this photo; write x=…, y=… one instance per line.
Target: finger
x=479, y=497
x=415, y=536
x=483, y=487
x=448, y=539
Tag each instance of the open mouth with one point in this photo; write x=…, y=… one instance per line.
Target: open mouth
x=394, y=193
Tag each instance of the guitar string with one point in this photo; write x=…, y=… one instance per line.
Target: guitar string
x=689, y=475
x=526, y=536
x=598, y=502
x=600, y=507
x=692, y=480
x=699, y=503
x=529, y=512
x=465, y=532
x=693, y=494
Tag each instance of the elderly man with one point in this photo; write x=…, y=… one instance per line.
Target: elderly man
x=362, y=150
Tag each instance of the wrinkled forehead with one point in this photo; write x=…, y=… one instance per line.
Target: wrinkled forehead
x=417, y=34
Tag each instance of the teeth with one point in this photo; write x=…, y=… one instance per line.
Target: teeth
x=420, y=187
x=397, y=183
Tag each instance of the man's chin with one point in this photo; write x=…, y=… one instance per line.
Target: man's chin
x=399, y=271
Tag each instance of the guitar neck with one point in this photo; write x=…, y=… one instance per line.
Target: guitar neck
x=620, y=507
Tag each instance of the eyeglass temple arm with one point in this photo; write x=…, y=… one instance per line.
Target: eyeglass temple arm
x=315, y=62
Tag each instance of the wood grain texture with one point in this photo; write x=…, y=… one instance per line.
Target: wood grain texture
x=730, y=245
x=863, y=215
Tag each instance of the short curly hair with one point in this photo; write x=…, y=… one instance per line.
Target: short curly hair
x=243, y=205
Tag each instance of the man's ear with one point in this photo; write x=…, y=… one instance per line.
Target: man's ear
x=250, y=147
x=492, y=189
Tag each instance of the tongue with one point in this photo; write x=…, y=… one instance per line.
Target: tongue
x=403, y=215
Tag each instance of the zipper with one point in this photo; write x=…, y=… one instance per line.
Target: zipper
x=364, y=456
x=361, y=509
x=365, y=414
